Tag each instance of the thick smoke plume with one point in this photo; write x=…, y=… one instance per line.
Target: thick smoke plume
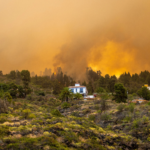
x=111, y=36
x=119, y=44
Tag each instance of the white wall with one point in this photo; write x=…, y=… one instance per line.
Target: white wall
x=78, y=90
x=77, y=84
x=84, y=90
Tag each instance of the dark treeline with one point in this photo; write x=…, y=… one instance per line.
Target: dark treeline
x=132, y=82
x=94, y=81
x=56, y=82
x=18, y=86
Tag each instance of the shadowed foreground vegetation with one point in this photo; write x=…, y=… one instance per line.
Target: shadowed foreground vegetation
x=43, y=122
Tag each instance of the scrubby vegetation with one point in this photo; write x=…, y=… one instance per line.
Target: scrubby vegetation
x=33, y=117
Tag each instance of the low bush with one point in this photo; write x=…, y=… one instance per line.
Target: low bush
x=134, y=94
x=103, y=103
x=76, y=114
x=25, y=113
x=65, y=105
x=29, y=97
x=131, y=107
x=77, y=96
x=3, y=106
x=69, y=136
x=136, y=123
x=37, y=121
x=148, y=103
x=92, y=117
x=56, y=112
x=41, y=93
x=148, y=139
x=96, y=107
x=46, y=133
x=31, y=116
x=24, y=130
x=105, y=117
x=3, y=119
x=128, y=118
x=121, y=107
x=40, y=98
x=4, y=130
x=109, y=127
x=145, y=119
x=99, y=111
x=85, y=111
x=100, y=90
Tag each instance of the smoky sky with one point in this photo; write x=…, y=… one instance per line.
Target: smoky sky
x=111, y=36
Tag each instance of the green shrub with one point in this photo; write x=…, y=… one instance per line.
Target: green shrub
x=148, y=139
x=145, y=119
x=85, y=111
x=96, y=107
x=130, y=97
x=41, y=93
x=24, y=143
x=145, y=93
x=13, y=146
x=40, y=98
x=131, y=107
x=99, y=111
x=75, y=113
x=100, y=90
x=121, y=107
x=148, y=103
x=109, y=127
x=92, y=117
x=52, y=99
x=7, y=97
x=4, y=130
x=136, y=123
x=3, y=106
x=56, y=112
x=77, y=96
x=65, y=105
x=1, y=93
x=37, y=121
x=103, y=103
x=134, y=94
x=25, y=113
x=46, y=133
x=29, y=97
x=24, y=129
x=128, y=118
x=47, y=116
x=31, y=116
x=3, y=119
x=105, y=117
x=69, y=136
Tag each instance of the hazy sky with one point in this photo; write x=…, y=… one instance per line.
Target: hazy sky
x=110, y=35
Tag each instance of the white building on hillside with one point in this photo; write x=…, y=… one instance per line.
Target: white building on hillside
x=79, y=89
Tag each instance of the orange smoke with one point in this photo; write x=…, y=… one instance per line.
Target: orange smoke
x=111, y=36
x=117, y=60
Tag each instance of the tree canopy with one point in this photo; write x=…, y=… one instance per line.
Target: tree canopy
x=120, y=93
